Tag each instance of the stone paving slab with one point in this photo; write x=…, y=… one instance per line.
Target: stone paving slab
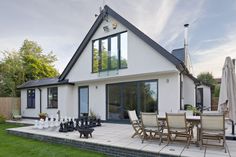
x=116, y=139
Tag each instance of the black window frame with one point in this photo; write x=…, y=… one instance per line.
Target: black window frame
x=124, y=84
x=109, y=53
x=31, y=103
x=51, y=106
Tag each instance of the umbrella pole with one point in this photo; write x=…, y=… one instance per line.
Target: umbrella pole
x=233, y=125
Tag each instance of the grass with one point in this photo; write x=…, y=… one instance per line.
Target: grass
x=12, y=146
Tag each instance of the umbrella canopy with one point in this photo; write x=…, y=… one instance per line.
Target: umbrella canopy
x=228, y=89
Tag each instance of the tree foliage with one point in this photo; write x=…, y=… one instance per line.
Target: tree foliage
x=29, y=63
x=206, y=78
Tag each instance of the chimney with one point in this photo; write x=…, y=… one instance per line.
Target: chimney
x=233, y=60
x=186, y=44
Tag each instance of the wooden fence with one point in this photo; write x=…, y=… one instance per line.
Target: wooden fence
x=8, y=105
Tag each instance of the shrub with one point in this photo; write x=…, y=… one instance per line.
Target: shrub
x=2, y=119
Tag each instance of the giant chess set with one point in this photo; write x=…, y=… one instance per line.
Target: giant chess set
x=84, y=124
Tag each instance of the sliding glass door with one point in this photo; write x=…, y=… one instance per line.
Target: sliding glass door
x=141, y=96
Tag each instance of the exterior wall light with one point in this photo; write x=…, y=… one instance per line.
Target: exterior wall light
x=167, y=80
x=114, y=25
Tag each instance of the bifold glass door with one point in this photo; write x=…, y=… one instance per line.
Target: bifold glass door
x=83, y=100
x=141, y=96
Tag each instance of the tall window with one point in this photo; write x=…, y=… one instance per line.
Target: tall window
x=110, y=53
x=52, y=97
x=31, y=98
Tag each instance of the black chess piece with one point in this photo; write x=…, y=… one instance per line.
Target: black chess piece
x=77, y=124
x=65, y=127
x=82, y=122
x=61, y=128
x=72, y=124
x=98, y=122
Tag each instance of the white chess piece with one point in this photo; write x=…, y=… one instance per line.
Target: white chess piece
x=56, y=122
x=51, y=122
x=41, y=124
x=46, y=123
x=36, y=124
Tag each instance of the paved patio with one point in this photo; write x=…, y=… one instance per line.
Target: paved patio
x=117, y=137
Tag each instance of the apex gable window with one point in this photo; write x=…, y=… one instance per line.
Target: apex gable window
x=52, y=97
x=31, y=98
x=110, y=53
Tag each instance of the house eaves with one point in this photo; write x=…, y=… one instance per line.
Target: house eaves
x=43, y=83
x=108, y=11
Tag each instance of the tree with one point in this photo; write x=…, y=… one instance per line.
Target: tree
x=29, y=63
x=206, y=78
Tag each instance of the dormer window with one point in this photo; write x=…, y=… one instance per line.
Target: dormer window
x=110, y=53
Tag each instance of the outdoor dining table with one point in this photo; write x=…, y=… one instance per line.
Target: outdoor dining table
x=194, y=120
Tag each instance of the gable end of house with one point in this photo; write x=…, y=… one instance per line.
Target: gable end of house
x=108, y=11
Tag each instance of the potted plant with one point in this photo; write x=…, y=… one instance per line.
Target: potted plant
x=196, y=112
x=43, y=115
x=92, y=118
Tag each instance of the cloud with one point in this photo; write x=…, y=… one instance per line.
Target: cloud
x=174, y=29
x=212, y=60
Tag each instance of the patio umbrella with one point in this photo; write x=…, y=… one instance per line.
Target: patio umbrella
x=228, y=90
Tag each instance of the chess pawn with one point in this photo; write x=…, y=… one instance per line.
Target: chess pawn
x=46, y=123
x=61, y=127
x=57, y=122
x=41, y=124
x=36, y=124
x=51, y=122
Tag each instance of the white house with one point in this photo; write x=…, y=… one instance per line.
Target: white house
x=116, y=68
x=204, y=96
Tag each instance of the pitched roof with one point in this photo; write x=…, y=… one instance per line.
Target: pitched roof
x=108, y=11
x=179, y=53
x=42, y=82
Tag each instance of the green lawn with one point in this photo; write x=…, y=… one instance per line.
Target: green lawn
x=14, y=146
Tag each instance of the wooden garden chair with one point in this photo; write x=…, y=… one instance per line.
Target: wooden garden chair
x=16, y=114
x=178, y=126
x=135, y=123
x=213, y=128
x=151, y=126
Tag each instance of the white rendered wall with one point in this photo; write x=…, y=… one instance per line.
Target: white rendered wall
x=65, y=102
x=189, y=92
x=168, y=93
x=206, y=96
x=142, y=58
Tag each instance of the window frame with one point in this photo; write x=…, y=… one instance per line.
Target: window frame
x=51, y=107
x=122, y=85
x=30, y=106
x=109, y=52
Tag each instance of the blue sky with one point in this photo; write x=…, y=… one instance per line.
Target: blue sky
x=61, y=25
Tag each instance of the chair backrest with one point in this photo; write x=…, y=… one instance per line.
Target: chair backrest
x=149, y=119
x=211, y=112
x=213, y=121
x=15, y=112
x=132, y=115
x=176, y=120
x=188, y=112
